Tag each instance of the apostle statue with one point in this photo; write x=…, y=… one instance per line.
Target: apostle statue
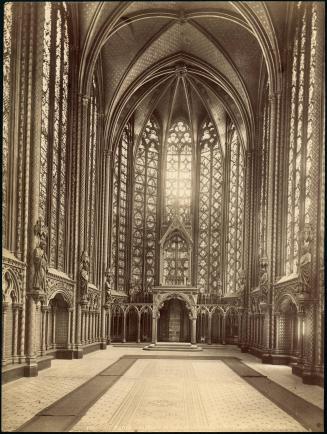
x=40, y=261
x=107, y=286
x=305, y=260
x=84, y=273
x=305, y=268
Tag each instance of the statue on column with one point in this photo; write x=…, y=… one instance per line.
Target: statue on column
x=84, y=275
x=263, y=280
x=107, y=286
x=305, y=260
x=40, y=259
x=241, y=287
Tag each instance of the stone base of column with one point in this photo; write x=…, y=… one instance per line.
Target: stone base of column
x=308, y=376
x=103, y=345
x=31, y=370
x=314, y=378
x=67, y=354
x=244, y=348
x=78, y=353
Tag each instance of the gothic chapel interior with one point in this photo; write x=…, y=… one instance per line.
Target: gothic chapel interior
x=163, y=180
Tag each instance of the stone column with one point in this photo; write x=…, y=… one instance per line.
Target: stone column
x=154, y=328
x=139, y=328
x=87, y=326
x=223, y=332
x=105, y=339
x=193, y=330
x=301, y=316
x=209, y=328
x=54, y=327
x=69, y=332
x=124, y=328
x=277, y=319
x=82, y=326
x=78, y=324
x=44, y=310
x=31, y=370
x=5, y=306
x=15, y=331
x=47, y=327
x=103, y=323
x=91, y=337
x=109, y=326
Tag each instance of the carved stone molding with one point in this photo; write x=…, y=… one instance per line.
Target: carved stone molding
x=13, y=275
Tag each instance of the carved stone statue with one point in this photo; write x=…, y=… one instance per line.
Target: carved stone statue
x=40, y=261
x=305, y=268
x=241, y=285
x=84, y=274
x=263, y=272
x=107, y=286
x=305, y=260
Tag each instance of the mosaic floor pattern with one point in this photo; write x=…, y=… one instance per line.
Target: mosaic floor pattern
x=184, y=395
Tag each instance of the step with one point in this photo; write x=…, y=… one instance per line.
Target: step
x=172, y=346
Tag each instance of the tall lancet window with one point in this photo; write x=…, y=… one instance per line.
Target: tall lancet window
x=7, y=71
x=119, y=210
x=235, y=212
x=145, y=196
x=301, y=130
x=210, y=209
x=179, y=172
x=54, y=128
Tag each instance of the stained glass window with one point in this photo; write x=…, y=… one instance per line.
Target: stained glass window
x=176, y=261
x=179, y=172
x=145, y=196
x=55, y=76
x=300, y=139
x=210, y=209
x=7, y=50
x=235, y=212
x=119, y=222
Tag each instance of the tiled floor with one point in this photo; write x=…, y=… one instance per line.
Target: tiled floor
x=23, y=398
x=184, y=395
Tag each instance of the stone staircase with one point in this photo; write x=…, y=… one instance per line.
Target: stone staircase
x=172, y=346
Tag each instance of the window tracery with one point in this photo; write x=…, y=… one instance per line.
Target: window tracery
x=301, y=125
x=210, y=208
x=145, y=196
x=235, y=212
x=179, y=172
x=54, y=119
x=7, y=55
x=119, y=217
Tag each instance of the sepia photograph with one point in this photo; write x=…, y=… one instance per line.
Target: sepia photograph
x=163, y=210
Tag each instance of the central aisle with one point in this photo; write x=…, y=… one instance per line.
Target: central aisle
x=184, y=395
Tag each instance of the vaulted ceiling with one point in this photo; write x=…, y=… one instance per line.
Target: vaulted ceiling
x=188, y=57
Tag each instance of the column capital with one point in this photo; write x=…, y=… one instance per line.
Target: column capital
x=273, y=96
x=36, y=296
x=85, y=99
